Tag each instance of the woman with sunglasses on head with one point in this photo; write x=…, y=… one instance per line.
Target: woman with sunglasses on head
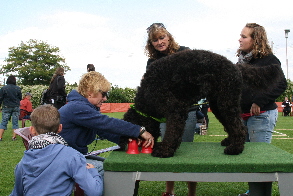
x=260, y=113
x=160, y=43
x=82, y=120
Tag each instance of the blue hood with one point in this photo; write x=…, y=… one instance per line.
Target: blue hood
x=37, y=161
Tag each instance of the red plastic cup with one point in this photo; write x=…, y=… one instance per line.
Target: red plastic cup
x=132, y=147
x=145, y=150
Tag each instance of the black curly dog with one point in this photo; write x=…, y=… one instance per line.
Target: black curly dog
x=173, y=83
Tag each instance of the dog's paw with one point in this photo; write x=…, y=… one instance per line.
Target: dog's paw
x=225, y=142
x=162, y=152
x=233, y=149
x=123, y=143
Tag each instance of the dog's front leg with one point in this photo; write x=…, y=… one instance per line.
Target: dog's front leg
x=172, y=139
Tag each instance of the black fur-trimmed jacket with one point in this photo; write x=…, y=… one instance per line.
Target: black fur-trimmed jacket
x=160, y=55
x=267, y=71
x=57, y=87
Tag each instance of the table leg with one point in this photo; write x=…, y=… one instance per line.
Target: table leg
x=119, y=183
x=285, y=183
x=260, y=188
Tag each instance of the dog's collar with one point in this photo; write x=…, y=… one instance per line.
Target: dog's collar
x=160, y=120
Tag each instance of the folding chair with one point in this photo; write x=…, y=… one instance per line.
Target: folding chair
x=22, y=114
x=25, y=134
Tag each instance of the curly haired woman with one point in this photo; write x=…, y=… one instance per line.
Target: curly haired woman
x=160, y=44
x=258, y=106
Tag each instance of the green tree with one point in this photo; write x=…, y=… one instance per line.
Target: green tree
x=33, y=62
x=288, y=92
x=120, y=95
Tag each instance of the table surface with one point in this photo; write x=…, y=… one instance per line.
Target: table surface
x=206, y=157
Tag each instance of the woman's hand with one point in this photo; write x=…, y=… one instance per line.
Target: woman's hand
x=254, y=110
x=149, y=139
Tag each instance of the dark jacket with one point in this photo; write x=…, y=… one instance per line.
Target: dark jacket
x=82, y=121
x=10, y=95
x=265, y=100
x=160, y=55
x=57, y=87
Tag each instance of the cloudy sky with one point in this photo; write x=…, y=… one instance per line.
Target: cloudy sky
x=111, y=34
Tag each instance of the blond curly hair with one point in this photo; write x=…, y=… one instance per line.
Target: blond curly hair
x=261, y=45
x=93, y=82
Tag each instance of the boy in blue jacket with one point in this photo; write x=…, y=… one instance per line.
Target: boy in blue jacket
x=49, y=166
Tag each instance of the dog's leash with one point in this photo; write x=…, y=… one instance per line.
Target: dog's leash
x=160, y=120
x=103, y=150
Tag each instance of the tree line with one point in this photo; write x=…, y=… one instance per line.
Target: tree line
x=35, y=61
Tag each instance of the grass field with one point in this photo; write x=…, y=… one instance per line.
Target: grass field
x=12, y=151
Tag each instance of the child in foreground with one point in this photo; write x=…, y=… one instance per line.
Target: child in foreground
x=49, y=166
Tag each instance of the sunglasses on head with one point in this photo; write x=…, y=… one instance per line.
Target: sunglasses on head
x=104, y=94
x=155, y=25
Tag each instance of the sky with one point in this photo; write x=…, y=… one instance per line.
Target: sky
x=111, y=34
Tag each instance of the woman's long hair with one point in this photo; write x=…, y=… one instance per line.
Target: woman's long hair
x=261, y=45
x=59, y=72
x=154, y=31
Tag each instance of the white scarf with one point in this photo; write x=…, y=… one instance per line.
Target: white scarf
x=244, y=58
x=43, y=140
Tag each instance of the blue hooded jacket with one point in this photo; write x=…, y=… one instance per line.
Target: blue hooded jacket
x=53, y=170
x=82, y=121
x=10, y=95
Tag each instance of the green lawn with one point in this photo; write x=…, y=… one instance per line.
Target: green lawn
x=12, y=151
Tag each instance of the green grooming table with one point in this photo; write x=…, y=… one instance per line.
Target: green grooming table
x=201, y=162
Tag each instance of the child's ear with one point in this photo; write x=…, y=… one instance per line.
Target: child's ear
x=60, y=128
x=33, y=131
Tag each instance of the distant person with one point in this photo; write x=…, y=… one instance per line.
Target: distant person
x=204, y=107
x=26, y=107
x=90, y=67
x=286, y=107
x=10, y=96
x=50, y=166
x=57, y=88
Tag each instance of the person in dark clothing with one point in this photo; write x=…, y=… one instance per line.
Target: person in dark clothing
x=160, y=44
x=259, y=108
x=10, y=96
x=204, y=105
x=286, y=106
x=57, y=92
x=90, y=67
